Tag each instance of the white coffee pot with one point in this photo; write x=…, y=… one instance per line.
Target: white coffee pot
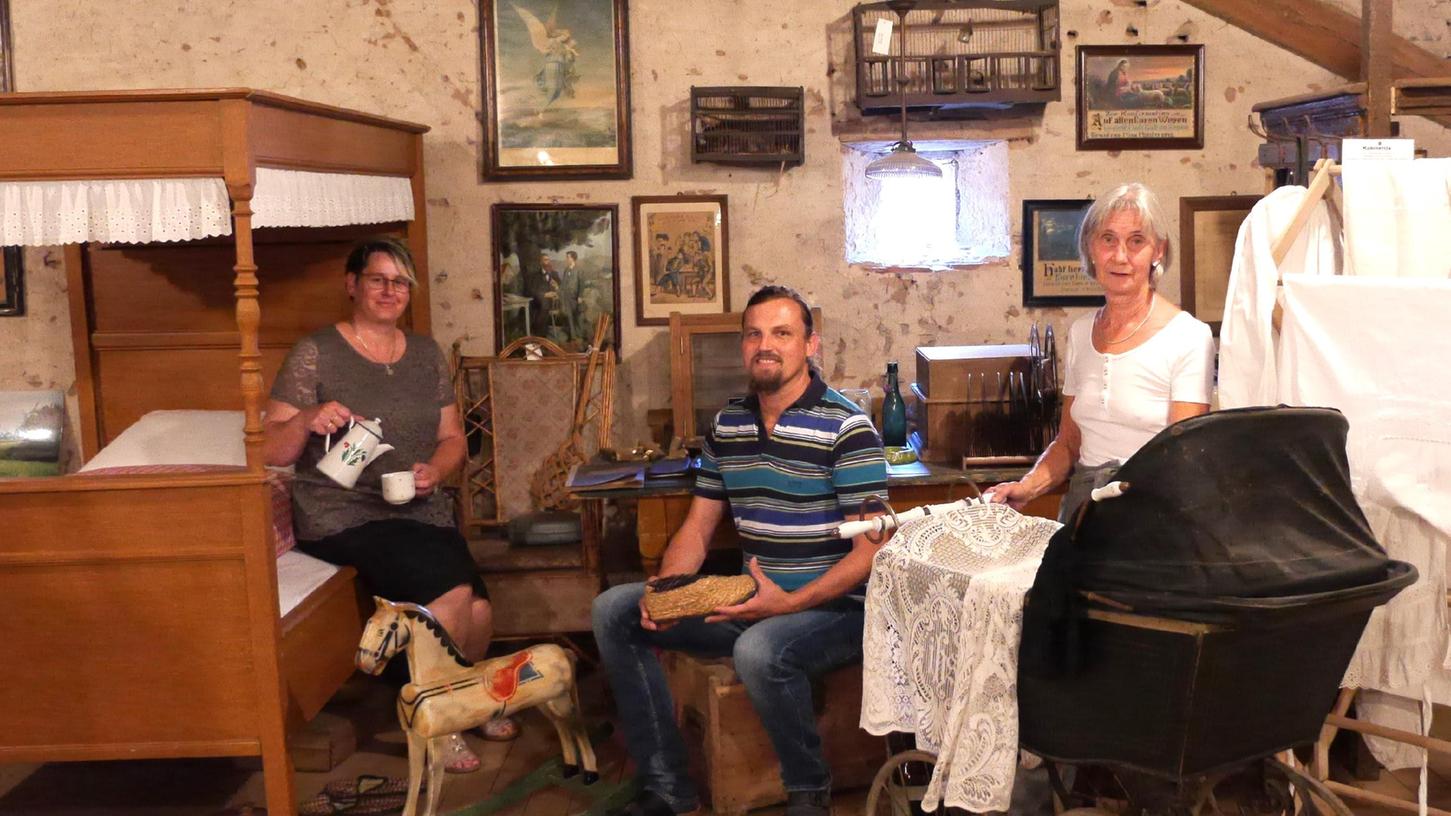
x=362, y=444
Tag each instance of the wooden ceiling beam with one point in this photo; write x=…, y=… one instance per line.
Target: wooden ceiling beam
x=1322, y=34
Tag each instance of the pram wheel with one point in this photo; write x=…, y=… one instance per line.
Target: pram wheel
x=1293, y=792
x=895, y=787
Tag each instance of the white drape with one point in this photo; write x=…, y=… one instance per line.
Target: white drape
x=138, y=211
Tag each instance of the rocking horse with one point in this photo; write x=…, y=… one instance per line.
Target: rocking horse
x=448, y=694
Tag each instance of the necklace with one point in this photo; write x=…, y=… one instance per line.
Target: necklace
x=388, y=361
x=1153, y=301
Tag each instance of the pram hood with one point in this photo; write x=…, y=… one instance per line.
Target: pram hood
x=1234, y=515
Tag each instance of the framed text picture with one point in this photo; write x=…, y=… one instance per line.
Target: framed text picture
x=682, y=257
x=556, y=80
x=556, y=270
x=1140, y=97
x=1053, y=274
x=1208, y=228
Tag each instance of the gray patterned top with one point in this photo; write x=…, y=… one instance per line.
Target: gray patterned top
x=323, y=367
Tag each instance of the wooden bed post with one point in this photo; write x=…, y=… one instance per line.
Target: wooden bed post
x=239, y=175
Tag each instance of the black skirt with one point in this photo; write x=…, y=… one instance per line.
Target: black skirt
x=402, y=559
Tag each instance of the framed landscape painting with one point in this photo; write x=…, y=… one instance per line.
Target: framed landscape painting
x=1140, y=97
x=1052, y=271
x=556, y=80
x=556, y=271
x=682, y=257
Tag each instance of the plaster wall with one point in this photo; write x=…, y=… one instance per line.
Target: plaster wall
x=419, y=61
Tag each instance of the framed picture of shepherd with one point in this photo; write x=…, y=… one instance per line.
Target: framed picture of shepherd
x=1140, y=97
x=682, y=257
x=556, y=82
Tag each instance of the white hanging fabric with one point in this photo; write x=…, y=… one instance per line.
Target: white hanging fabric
x=1371, y=347
x=1247, y=350
x=131, y=211
x=299, y=198
x=944, y=615
x=1398, y=217
x=139, y=211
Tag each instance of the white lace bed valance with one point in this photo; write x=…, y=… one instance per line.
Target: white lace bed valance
x=138, y=211
x=296, y=198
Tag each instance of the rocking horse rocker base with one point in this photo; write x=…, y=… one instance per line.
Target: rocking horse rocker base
x=448, y=694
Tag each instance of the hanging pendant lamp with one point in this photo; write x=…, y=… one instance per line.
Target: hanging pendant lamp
x=902, y=161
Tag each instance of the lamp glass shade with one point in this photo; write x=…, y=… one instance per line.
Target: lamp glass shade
x=903, y=162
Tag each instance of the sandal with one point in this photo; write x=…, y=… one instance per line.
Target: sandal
x=503, y=729
x=458, y=758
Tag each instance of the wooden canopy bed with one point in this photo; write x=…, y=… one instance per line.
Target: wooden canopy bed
x=142, y=610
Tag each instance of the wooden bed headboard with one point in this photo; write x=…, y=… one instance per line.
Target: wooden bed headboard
x=155, y=325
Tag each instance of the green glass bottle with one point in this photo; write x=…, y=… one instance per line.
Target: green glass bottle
x=894, y=411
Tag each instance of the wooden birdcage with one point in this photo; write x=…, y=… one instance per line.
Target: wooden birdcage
x=960, y=53
x=747, y=125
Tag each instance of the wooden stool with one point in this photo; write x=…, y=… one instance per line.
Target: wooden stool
x=730, y=751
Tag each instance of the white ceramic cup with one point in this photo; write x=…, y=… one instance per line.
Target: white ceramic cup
x=398, y=487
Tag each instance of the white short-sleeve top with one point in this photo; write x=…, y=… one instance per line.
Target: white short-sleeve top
x=1122, y=400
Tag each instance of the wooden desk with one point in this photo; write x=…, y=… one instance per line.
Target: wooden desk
x=661, y=506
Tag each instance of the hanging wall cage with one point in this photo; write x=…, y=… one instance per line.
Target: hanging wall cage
x=747, y=125
x=968, y=53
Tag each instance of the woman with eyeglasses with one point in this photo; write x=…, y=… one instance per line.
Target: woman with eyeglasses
x=366, y=367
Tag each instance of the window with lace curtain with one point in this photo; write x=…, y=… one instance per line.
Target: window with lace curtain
x=960, y=219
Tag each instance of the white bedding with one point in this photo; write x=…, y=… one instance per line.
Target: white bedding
x=207, y=438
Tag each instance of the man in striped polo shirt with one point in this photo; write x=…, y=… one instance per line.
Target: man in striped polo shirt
x=789, y=462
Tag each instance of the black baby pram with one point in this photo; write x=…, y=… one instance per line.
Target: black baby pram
x=1181, y=634
x=1202, y=621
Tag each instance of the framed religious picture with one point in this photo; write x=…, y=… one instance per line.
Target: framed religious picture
x=682, y=257
x=1140, y=97
x=1053, y=274
x=556, y=80
x=1208, y=228
x=556, y=270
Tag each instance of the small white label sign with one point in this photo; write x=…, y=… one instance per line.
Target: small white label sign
x=882, y=39
x=1377, y=149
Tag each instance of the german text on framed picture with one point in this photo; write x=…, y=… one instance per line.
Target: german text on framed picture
x=1053, y=274
x=682, y=257
x=1208, y=228
x=556, y=80
x=556, y=270
x=1140, y=97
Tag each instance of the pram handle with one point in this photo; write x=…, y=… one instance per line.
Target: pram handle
x=1112, y=490
x=881, y=524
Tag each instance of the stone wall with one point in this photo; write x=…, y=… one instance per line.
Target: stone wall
x=419, y=61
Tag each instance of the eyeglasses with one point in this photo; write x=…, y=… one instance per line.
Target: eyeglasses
x=378, y=283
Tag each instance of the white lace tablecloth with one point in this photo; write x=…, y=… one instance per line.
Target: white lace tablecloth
x=944, y=613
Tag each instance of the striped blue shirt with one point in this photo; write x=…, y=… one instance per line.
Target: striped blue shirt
x=788, y=491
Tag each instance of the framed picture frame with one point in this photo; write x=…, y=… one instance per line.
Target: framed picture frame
x=556, y=270
x=12, y=296
x=1140, y=97
x=1208, y=228
x=1053, y=274
x=682, y=256
x=556, y=80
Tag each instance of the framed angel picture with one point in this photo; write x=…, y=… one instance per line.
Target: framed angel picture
x=556, y=78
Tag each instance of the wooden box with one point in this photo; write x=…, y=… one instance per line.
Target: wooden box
x=942, y=427
x=730, y=751
x=943, y=372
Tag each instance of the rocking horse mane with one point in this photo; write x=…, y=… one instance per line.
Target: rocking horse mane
x=416, y=612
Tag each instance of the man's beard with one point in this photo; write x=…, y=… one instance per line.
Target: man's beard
x=767, y=383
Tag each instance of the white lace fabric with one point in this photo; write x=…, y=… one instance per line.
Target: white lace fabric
x=944, y=615
x=51, y=213
x=140, y=211
x=300, y=198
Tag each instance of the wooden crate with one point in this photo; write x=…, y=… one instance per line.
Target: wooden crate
x=732, y=755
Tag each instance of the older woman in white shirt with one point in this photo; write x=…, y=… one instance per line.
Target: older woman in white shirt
x=1134, y=367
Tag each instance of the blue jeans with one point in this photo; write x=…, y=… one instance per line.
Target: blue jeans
x=775, y=659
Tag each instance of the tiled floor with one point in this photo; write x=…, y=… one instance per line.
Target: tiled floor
x=210, y=787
